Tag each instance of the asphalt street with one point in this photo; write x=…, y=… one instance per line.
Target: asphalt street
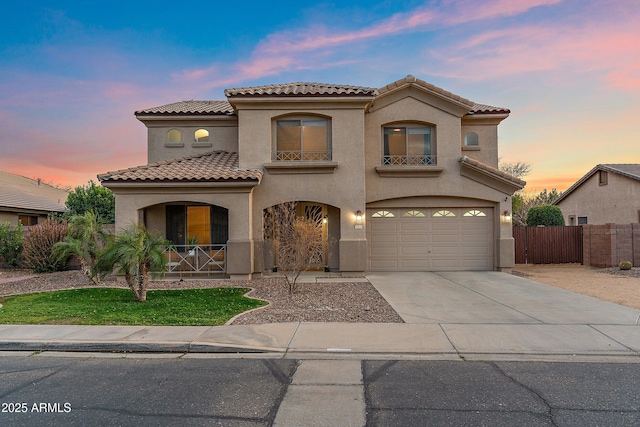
x=132, y=391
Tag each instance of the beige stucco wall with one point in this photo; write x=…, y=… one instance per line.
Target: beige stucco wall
x=342, y=189
x=487, y=131
x=617, y=202
x=240, y=251
x=447, y=188
x=223, y=135
x=349, y=183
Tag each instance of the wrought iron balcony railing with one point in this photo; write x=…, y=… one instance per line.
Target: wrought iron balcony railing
x=409, y=160
x=299, y=156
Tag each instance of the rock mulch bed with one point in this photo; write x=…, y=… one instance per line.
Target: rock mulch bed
x=356, y=302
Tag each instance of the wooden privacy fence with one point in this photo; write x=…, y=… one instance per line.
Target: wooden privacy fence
x=548, y=245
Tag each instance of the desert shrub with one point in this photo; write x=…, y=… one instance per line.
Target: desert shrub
x=10, y=244
x=625, y=265
x=38, y=246
x=545, y=215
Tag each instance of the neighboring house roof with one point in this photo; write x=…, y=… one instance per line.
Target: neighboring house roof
x=22, y=193
x=629, y=170
x=219, y=166
x=302, y=89
x=191, y=107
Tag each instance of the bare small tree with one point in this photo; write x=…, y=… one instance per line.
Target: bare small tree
x=297, y=241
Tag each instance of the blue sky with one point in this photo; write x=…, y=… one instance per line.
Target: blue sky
x=73, y=73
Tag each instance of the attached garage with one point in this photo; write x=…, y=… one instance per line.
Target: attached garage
x=430, y=239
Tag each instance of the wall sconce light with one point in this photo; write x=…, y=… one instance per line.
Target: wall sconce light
x=325, y=219
x=358, y=219
x=506, y=216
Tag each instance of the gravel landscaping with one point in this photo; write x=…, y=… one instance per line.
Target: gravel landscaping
x=356, y=302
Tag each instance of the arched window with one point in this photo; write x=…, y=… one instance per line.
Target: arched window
x=202, y=135
x=174, y=136
x=414, y=213
x=474, y=212
x=383, y=214
x=408, y=145
x=471, y=139
x=443, y=213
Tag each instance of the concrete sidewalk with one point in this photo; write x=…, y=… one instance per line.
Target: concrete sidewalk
x=448, y=315
x=442, y=340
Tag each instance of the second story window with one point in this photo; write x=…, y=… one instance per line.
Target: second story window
x=174, y=137
x=306, y=139
x=471, y=139
x=408, y=145
x=201, y=135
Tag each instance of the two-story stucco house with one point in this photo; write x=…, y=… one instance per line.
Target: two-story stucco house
x=400, y=178
x=606, y=194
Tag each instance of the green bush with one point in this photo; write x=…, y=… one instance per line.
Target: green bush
x=94, y=198
x=38, y=246
x=545, y=215
x=625, y=265
x=10, y=244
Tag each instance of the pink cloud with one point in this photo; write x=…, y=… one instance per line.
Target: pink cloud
x=299, y=49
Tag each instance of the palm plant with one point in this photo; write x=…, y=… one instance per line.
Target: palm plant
x=85, y=238
x=138, y=255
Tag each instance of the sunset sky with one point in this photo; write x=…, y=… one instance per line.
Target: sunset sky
x=73, y=72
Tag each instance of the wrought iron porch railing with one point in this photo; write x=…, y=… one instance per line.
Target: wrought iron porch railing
x=299, y=156
x=191, y=259
x=409, y=160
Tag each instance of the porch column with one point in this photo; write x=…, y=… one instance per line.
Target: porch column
x=353, y=242
x=240, y=247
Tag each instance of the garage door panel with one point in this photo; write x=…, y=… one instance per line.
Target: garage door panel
x=445, y=238
x=385, y=264
x=384, y=238
x=384, y=251
x=414, y=264
x=445, y=243
x=414, y=225
x=382, y=225
x=414, y=238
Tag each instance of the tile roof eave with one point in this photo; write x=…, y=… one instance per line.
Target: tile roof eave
x=495, y=173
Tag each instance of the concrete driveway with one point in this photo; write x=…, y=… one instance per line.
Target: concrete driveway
x=492, y=312
x=491, y=297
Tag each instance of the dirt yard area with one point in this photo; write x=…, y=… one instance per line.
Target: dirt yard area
x=606, y=284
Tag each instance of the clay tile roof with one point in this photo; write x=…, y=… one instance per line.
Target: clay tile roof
x=492, y=171
x=488, y=109
x=217, y=166
x=20, y=192
x=301, y=89
x=191, y=107
x=412, y=80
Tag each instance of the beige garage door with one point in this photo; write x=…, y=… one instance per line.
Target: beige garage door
x=433, y=239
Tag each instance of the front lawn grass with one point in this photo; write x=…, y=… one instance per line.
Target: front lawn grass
x=107, y=306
